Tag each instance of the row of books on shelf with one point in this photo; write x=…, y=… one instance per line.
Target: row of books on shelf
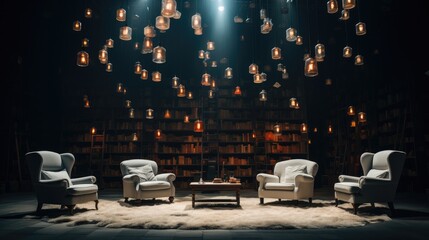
x=291, y=137
x=182, y=148
x=234, y=161
x=178, y=138
x=179, y=160
x=285, y=126
x=240, y=148
x=244, y=137
x=235, y=114
x=233, y=125
x=391, y=114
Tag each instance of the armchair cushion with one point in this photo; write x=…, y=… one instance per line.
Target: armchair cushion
x=292, y=171
x=82, y=189
x=145, y=173
x=347, y=187
x=153, y=185
x=280, y=186
x=56, y=175
x=375, y=173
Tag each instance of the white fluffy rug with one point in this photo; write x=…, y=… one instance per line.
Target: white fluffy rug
x=160, y=214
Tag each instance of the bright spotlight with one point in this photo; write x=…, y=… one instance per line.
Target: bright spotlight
x=221, y=8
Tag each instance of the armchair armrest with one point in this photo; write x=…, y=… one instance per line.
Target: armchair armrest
x=347, y=178
x=132, y=178
x=266, y=178
x=168, y=177
x=84, y=180
x=302, y=177
x=54, y=182
x=372, y=181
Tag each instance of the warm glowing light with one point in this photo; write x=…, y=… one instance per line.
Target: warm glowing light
x=121, y=15
x=82, y=59
x=310, y=68
x=158, y=133
x=138, y=68
x=347, y=52
x=263, y=96
x=85, y=42
x=159, y=55
x=131, y=113
x=186, y=119
x=93, y=130
x=167, y=114
x=360, y=28
x=77, y=26
x=237, y=91
x=149, y=113
x=228, y=73
x=276, y=53
x=125, y=33
x=359, y=60
x=351, y=111
x=88, y=13
x=156, y=76
x=110, y=43
x=303, y=128
x=362, y=117
x=277, y=129
x=332, y=6
x=253, y=68
x=147, y=45
x=330, y=129
x=181, y=91
x=144, y=75
x=198, y=126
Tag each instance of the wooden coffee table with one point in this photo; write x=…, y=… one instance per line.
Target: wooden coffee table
x=209, y=186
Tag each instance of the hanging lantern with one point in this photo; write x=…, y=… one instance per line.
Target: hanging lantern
x=237, y=91
x=109, y=67
x=276, y=53
x=299, y=40
x=303, y=128
x=358, y=60
x=145, y=74
x=253, y=68
x=238, y=19
x=196, y=21
x=198, y=31
x=319, y=50
x=345, y=15
x=262, y=13
x=181, y=91
x=189, y=95
x=125, y=33
x=134, y=137
x=168, y=8
x=253, y=134
x=280, y=67
x=285, y=74
x=167, y=114
x=257, y=78
x=277, y=129
x=149, y=113
x=315, y=130
x=347, y=52
x=228, y=73
x=77, y=26
x=310, y=68
x=350, y=111
x=121, y=15
x=213, y=64
x=175, y=82
x=360, y=28
x=127, y=103
x=297, y=105
x=149, y=31
x=138, y=68
x=93, y=131
x=267, y=26
x=211, y=93
x=349, y=4
x=201, y=54
x=291, y=34
x=198, y=126
x=205, y=79
x=263, y=76
x=292, y=102
x=85, y=42
x=162, y=23
x=177, y=14
x=206, y=55
x=158, y=133
x=186, y=119
x=82, y=59
x=361, y=117
x=159, y=55
x=131, y=113
x=263, y=96
x=156, y=76
x=110, y=43
x=353, y=123
x=124, y=91
x=103, y=56
x=86, y=104
x=330, y=129
x=147, y=45
x=213, y=83
x=210, y=45
x=119, y=88
x=332, y=6
x=88, y=13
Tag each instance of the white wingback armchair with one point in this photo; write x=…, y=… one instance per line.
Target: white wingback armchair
x=381, y=173
x=292, y=179
x=141, y=180
x=50, y=174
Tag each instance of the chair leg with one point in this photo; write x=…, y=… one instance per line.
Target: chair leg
x=62, y=206
x=171, y=199
x=280, y=199
x=355, y=207
x=261, y=200
x=336, y=202
x=71, y=207
x=310, y=200
x=126, y=200
x=96, y=204
x=373, y=205
x=392, y=208
x=39, y=207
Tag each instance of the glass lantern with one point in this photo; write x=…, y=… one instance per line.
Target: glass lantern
x=360, y=28
x=156, y=76
x=276, y=53
x=263, y=96
x=310, y=68
x=149, y=113
x=228, y=73
x=159, y=55
x=332, y=6
x=347, y=52
x=121, y=15
x=125, y=33
x=144, y=75
x=82, y=59
x=291, y=34
x=196, y=21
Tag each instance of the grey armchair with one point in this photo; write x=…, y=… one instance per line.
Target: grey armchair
x=381, y=170
x=292, y=179
x=141, y=180
x=50, y=175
